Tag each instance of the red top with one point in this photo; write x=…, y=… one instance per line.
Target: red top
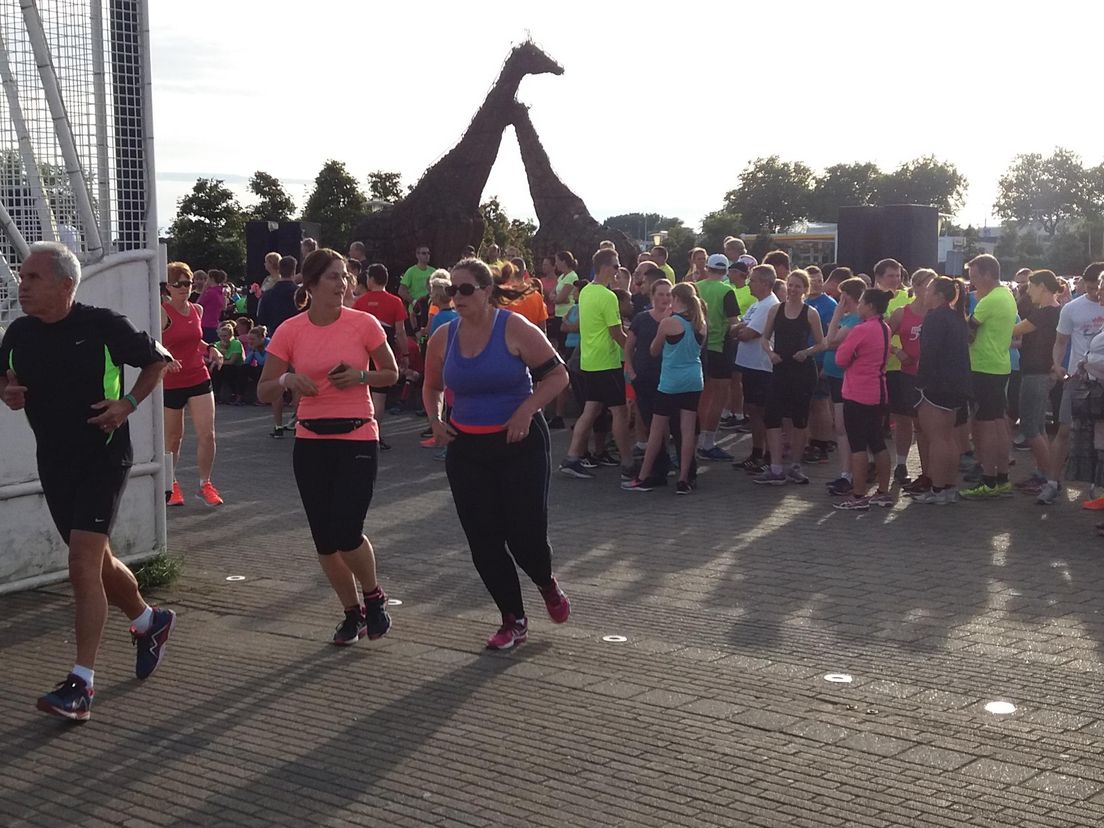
x=388, y=308
x=184, y=340
x=909, y=332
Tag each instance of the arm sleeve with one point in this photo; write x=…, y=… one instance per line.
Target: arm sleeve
x=759, y=323
x=128, y=345
x=610, y=310
x=1065, y=320
x=406, y=279
x=400, y=310
x=983, y=310
x=731, y=306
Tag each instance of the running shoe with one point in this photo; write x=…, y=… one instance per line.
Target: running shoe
x=1021, y=445
x=813, y=455
x=636, y=486
x=980, y=492
x=71, y=699
x=729, y=423
x=966, y=461
x=376, y=618
x=934, y=498
x=883, y=499
x=588, y=461
x=683, y=488
x=1005, y=489
x=840, y=486
x=429, y=442
x=150, y=645
x=629, y=472
x=795, y=475
x=1048, y=494
x=853, y=504
x=395, y=410
x=900, y=474
x=426, y=433
x=607, y=460
x=177, y=496
x=973, y=475
x=384, y=446
x=277, y=432
x=752, y=465
x=1036, y=481
x=442, y=454
x=555, y=601
x=638, y=452
x=556, y=423
x=510, y=634
x=576, y=468
x=1094, y=505
x=715, y=453
x=769, y=478
x=917, y=486
x=209, y=495
x=352, y=629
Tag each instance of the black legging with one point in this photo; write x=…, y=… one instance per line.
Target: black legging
x=501, y=495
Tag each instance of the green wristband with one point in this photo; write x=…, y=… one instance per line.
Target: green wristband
x=130, y=399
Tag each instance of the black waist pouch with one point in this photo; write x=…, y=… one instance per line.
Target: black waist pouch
x=333, y=425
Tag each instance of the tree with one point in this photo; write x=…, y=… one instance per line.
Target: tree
x=641, y=226
x=336, y=203
x=208, y=230
x=925, y=180
x=274, y=203
x=1049, y=191
x=844, y=185
x=772, y=194
x=716, y=227
x=385, y=186
x=500, y=229
x=680, y=241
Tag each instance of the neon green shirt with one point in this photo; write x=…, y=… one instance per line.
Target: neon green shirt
x=720, y=303
x=230, y=350
x=670, y=271
x=996, y=314
x=416, y=280
x=899, y=300
x=598, y=312
x=569, y=278
x=744, y=298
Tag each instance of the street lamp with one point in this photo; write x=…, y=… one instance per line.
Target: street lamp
x=659, y=237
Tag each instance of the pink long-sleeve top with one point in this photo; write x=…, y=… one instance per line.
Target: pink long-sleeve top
x=862, y=355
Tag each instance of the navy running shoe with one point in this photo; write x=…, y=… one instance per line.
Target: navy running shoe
x=71, y=699
x=151, y=643
x=351, y=629
x=376, y=619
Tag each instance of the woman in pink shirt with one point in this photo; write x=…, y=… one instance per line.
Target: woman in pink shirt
x=338, y=353
x=862, y=356
x=213, y=301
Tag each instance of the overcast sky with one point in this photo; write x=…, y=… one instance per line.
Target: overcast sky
x=660, y=106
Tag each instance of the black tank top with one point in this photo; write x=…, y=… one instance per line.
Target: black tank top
x=790, y=335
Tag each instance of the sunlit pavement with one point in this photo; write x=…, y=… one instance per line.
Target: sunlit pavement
x=769, y=662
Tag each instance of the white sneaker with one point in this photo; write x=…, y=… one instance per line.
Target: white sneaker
x=1047, y=495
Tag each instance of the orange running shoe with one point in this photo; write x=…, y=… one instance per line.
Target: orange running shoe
x=1096, y=505
x=177, y=496
x=209, y=494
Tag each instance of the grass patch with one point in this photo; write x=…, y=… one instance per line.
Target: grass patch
x=157, y=572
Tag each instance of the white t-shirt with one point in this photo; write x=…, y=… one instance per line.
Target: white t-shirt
x=1080, y=320
x=750, y=354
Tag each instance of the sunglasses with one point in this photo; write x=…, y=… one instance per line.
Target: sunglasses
x=466, y=289
x=180, y=284
x=423, y=252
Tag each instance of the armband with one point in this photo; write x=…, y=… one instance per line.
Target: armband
x=546, y=368
x=130, y=399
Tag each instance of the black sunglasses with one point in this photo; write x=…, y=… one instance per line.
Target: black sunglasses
x=180, y=284
x=466, y=289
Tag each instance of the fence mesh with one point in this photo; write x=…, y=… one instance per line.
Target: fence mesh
x=95, y=54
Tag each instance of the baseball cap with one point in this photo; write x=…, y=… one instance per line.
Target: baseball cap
x=718, y=261
x=749, y=260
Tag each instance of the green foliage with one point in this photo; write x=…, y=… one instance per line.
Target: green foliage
x=159, y=571
x=1049, y=191
x=844, y=185
x=761, y=245
x=924, y=180
x=385, y=186
x=772, y=194
x=500, y=229
x=208, y=230
x=273, y=201
x=642, y=225
x=680, y=241
x=336, y=203
x=716, y=226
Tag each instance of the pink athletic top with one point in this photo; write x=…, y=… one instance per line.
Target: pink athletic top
x=213, y=302
x=909, y=332
x=862, y=356
x=184, y=340
x=315, y=349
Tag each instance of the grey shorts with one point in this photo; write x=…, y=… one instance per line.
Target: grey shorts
x=1034, y=401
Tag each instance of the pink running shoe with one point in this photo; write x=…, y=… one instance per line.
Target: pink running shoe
x=555, y=601
x=510, y=634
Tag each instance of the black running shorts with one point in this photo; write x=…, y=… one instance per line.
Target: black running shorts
x=82, y=494
x=336, y=479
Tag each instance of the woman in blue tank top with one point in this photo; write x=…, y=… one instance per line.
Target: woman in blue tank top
x=679, y=338
x=501, y=371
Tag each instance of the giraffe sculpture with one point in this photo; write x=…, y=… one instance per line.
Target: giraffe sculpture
x=442, y=210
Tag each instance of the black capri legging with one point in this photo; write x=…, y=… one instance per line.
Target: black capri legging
x=790, y=394
x=864, y=425
x=336, y=479
x=501, y=495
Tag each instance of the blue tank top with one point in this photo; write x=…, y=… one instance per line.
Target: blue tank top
x=488, y=387
x=681, y=370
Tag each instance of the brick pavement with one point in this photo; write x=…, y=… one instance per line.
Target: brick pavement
x=735, y=603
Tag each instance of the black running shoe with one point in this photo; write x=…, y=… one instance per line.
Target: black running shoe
x=71, y=699
x=351, y=629
x=375, y=615
x=384, y=446
x=151, y=644
x=901, y=475
x=684, y=488
x=607, y=460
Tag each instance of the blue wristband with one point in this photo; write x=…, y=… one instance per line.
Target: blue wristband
x=130, y=399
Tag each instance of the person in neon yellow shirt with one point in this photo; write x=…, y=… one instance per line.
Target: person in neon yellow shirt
x=659, y=256
x=888, y=275
x=414, y=283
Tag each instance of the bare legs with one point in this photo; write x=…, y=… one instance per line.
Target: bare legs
x=98, y=578
x=344, y=569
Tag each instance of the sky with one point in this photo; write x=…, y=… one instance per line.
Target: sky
x=660, y=105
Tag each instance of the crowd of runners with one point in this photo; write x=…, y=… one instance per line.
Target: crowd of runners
x=817, y=364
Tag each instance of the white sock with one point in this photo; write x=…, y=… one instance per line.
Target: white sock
x=641, y=446
x=726, y=414
x=142, y=623
x=706, y=440
x=85, y=674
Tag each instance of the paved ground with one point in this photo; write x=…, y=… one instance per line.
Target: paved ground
x=735, y=604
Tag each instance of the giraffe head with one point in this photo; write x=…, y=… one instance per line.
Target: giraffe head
x=530, y=60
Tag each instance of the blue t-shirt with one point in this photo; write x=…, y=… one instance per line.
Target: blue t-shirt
x=849, y=320
x=571, y=339
x=442, y=317
x=825, y=306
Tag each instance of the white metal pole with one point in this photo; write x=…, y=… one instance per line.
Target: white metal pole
x=26, y=149
x=99, y=91
x=12, y=232
x=147, y=128
x=62, y=129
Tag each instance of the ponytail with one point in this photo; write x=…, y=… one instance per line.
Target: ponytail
x=687, y=293
x=954, y=292
x=302, y=298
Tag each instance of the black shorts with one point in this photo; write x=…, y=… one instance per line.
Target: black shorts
x=336, y=479
x=990, y=396
x=606, y=387
x=903, y=394
x=790, y=395
x=83, y=493
x=756, y=384
x=949, y=402
x=177, y=398
x=863, y=424
x=718, y=364
x=835, y=389
x=669, y=405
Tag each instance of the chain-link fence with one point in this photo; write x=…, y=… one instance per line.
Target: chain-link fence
x=75, y=139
